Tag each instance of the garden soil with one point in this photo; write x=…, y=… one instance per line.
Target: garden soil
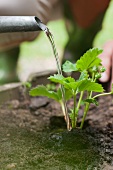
x=33, y=136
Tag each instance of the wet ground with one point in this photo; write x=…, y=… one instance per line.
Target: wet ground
x=35, y=137
x=23, y=149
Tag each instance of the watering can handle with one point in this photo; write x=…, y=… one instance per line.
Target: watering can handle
x=20, y=24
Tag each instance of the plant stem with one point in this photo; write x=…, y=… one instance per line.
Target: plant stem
x=84, y=116
x=64, y=109
x=103, y=94
x=93, y=76
x=80, y=99
x=78, y=106
x=87, y=105
x=74, y=112
x=67, y=120
x=85, y=111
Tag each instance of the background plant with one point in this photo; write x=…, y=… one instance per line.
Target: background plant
x=90, y=68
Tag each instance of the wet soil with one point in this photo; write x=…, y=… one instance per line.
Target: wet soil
x=33, y=136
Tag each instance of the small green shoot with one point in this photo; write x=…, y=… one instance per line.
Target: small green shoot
x=27, y=84
x=90, y=68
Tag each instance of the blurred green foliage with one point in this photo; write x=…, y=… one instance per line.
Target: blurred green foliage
x=106, y=33
x=41, y=47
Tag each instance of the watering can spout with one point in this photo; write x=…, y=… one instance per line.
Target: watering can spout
x=42, y=26
x=21, y=24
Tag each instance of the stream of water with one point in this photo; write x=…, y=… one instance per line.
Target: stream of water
x=51, y=39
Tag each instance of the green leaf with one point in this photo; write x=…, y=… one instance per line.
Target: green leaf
x=89, y=59
x=57, y=78
x=50, y=86
x=73, y=86
x=68, y=80
x=68, y=94
x=80, y=85
x=90, y=86
x=60, y=79
x=69, y=67
x=91, y=100
x=59, y=93
x=71, y=114
x=83, y=75
x=27, y=84
x=42, y=91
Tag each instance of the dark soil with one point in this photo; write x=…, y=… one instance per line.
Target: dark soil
x=33, y=136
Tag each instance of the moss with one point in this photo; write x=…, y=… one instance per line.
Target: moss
x=45, y=150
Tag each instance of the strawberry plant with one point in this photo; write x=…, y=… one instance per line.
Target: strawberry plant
x=90, y=68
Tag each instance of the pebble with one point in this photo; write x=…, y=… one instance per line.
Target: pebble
x=107, y=150
x=101, y=140
x=14, y=104
x=37, y=113
x=11, y=166
x=108, y=159
x=38, y=102
x=8, y=135
x=107, y=140
x=111, y=152
x=56, y=137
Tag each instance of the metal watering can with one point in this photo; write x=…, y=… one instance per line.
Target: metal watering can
x=21, y=24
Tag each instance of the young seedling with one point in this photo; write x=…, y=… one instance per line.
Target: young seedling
x=90, y=68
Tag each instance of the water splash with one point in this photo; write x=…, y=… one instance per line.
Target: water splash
x=51, y=39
